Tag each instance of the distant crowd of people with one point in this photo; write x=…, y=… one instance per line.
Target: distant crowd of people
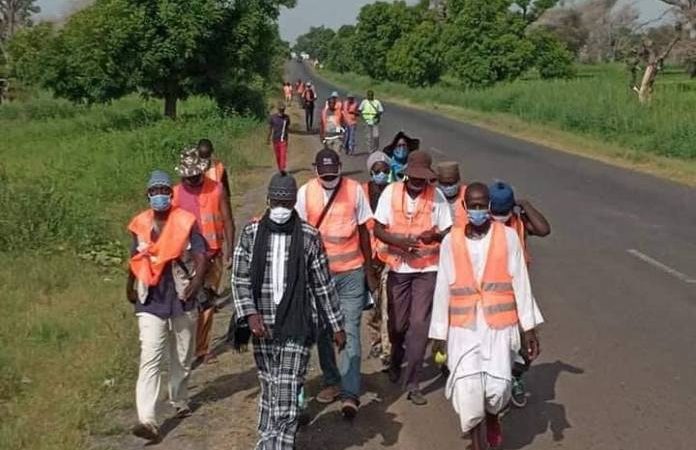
x=431, y=258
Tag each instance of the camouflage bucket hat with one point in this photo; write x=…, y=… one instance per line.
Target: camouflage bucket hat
x=191, y=164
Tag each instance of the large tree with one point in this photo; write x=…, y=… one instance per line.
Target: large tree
x=167, y=49
x=15, y=14
x=315, y=42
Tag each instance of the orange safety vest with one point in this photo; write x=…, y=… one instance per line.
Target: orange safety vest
x=517, y=224
x=336, y=117
x=339, y=229
x=495, y=292
x=209, y=200
x=216, y=171
x=152, y=257
x=309, y=95
x=404, y=226
x=350, y=113
x=460, y=218
x=287, y=90
x=301, y=88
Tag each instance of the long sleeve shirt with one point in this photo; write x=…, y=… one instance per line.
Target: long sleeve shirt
x=320, y=286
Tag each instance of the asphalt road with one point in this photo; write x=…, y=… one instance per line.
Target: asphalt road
x=616, y=281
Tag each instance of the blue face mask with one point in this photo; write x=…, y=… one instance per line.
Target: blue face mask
x=401, y=153
x=478, y=217
x=160, y=202
x=450, y=191
x=380, y=178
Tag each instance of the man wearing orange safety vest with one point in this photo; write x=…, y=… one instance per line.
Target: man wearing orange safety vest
x=331, y=128
x=167, y=267
x=450, y=183
x=527, y=221
x=411, y=218
x=206, y=199
x=350, y=121
x=338, y=208
x=482, y=296
x=216, y=169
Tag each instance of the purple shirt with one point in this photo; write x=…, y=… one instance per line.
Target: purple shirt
x=279, y=127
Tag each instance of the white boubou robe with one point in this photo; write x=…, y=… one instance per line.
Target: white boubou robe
x=478, y=356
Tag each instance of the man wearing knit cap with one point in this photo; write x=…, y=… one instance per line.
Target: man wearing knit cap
x=281, y=285
x=338, y=208
x=206, y=199
x=378, y=169
x=527, y=221
x=449, y=182
x=411, y=219
x=167, y=267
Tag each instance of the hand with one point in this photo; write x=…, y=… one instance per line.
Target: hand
x=258, y=328
x=372, y=279
x=429, y=236
x=131, y=295
x=408, y=243
x=531, y=343
x=227, y=258
x=439, y=346
x=522, y=203
x=340, y=340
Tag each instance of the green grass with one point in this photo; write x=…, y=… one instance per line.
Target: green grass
x=597, y=103
x=70, y=178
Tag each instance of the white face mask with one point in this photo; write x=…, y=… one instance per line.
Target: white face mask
x=280, y=214
x=330, y=184
x=502, y=219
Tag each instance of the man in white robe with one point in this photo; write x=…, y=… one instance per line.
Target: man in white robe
x=479, y=356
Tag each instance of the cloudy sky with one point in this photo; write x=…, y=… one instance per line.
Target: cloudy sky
x=331, y=13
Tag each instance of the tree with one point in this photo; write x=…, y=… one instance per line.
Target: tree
x=379, y=26
x=652, y=59
x=29, y=51
x=416, y=58
x=551, y=57
x=315, y=42
x=14, y=15
x=167, y=49
x=341, y=51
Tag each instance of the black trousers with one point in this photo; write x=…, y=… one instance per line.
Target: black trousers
x=309, y=116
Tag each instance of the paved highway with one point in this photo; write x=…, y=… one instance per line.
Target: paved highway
x=617, y=284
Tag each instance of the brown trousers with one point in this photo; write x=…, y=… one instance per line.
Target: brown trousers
x=211, y=287
x=378, y=318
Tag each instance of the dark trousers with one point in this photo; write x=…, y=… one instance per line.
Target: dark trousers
x=309, y=117
x=410, y=305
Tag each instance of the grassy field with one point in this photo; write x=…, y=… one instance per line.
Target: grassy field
x=597, y=105
x=70, y=178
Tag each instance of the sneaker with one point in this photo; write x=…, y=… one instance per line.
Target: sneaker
x=328, y=395
x=147, y=431
x=519, y=394
x=417, y=398
x=182, y=412
x=349, y=408
x=494, y=433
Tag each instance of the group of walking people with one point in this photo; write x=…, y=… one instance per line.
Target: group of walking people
x=431, y=258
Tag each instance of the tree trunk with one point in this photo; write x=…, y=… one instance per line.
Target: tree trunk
x=170, y=106
x=646, y=83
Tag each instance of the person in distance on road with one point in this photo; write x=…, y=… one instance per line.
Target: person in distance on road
x=309, y=97
x=331, y=127
x=338, y=207
x=167, y=267
x=482, y=298
x=281, y=285
x=411, y=218
x=450, y=183
x=278, y=126
x=287, y=93
x=216, y=169
x=527, y=221
x=380, y=347
x=205, y=199
x=371, y=111
x=350, y=120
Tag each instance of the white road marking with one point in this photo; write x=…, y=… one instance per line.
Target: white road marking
x=663, y=267
x=437, y=150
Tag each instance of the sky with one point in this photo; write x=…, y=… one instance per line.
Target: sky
x=330, y=13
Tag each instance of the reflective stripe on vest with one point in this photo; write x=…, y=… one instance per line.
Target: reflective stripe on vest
x=495, y=292
x=152, y=257
x=216, y=171
x=404, y=226
x=209, y=199
x=339, y=229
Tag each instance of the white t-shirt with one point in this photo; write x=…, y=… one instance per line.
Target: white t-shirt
x=363, y=213
x=442, y=218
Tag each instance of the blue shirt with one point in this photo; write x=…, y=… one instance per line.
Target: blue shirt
x=162, y=300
